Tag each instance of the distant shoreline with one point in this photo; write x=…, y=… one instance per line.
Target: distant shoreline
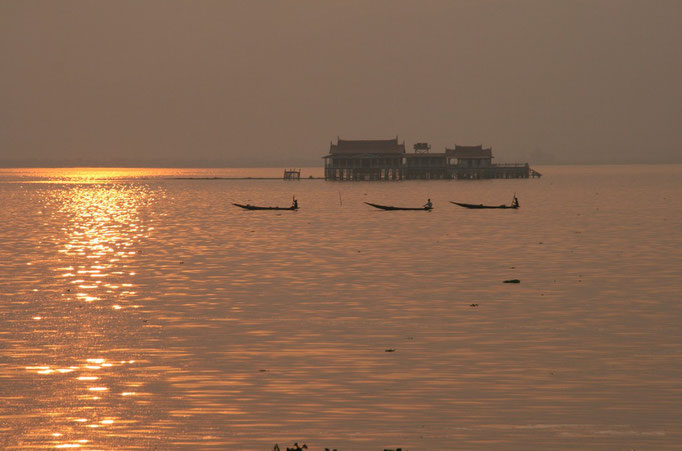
x=9, y=165
x=241, y=178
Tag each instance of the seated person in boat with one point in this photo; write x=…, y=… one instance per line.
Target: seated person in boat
x=428, y=204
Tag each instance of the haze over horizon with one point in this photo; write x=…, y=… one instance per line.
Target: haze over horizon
x=272, y=83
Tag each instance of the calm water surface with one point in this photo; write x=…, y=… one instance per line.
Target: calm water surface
x=139, y=310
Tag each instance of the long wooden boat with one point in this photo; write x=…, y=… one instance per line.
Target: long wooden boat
x=387, y=207
x=254, y=207
x=479, y=206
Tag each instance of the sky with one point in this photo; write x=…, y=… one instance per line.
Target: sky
x=272, y=83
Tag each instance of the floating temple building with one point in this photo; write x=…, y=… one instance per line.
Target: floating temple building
x=386, y=159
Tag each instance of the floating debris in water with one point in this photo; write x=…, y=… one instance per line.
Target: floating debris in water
x=473, y=305
x=296, y=447
x=389, y=350
x=512, y=281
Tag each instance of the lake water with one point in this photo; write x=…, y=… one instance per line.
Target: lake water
x=140, y=309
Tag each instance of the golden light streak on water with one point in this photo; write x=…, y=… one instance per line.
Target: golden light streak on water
x=96, y=223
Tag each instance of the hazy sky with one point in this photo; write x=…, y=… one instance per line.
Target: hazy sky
x=272, y=83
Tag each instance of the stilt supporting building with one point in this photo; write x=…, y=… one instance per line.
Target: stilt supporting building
x=292, y=174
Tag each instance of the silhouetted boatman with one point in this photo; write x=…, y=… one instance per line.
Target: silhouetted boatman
x=515, y=202
x=428, y=204
x=294, y=204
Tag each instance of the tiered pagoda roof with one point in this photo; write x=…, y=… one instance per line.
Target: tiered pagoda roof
x=367, y=146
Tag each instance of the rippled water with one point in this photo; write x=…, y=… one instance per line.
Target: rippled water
x=139, y=310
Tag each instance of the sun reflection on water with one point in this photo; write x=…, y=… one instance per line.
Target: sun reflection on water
x=79, y=349
x=103, y=226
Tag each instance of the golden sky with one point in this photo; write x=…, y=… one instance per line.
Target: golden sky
x=270, y=83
